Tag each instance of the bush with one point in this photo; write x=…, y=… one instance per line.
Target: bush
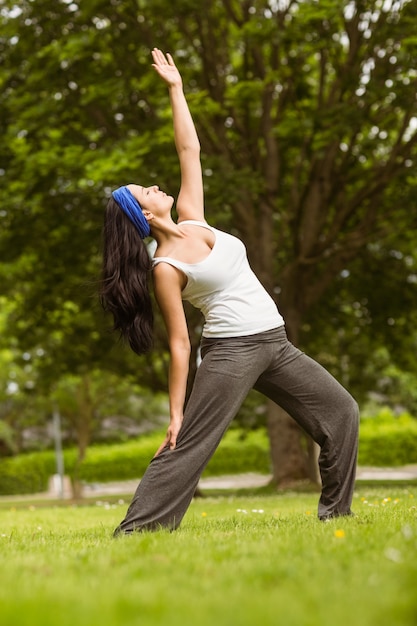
x=241, y=452
x=237, y=453
x=29, y=473
x=26, y=473
x=122, y=461
x=385, y=440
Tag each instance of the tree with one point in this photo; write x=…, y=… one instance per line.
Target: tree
x=306, y=111
x=373, y=308
x=83, y=402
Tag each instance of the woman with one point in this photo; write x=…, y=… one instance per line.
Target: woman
x=244, y=343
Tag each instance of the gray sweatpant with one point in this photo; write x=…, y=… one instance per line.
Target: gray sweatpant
x=230, y=367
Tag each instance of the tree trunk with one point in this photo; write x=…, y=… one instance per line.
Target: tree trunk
x=84, y=427
x=76, y=484
x=294, y=455
x=289, y=460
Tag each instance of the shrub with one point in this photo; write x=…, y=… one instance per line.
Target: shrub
x=241, y=452
x=29, y=473
x=120, y=461
x=385, y=440
x=26, y=473
x=388, y=440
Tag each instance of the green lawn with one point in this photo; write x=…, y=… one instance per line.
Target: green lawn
x=236, y=561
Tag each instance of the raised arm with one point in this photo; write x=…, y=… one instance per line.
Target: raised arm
x=190, y=202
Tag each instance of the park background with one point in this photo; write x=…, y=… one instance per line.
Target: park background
x=307, y=115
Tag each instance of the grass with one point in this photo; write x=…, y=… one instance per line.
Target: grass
x=237, y=560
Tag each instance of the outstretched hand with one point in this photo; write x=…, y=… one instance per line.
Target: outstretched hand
x=166, y=67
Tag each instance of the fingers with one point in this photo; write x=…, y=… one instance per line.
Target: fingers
x=162, y=446
x=170, y=441
x=160, y=58
x=170, y=59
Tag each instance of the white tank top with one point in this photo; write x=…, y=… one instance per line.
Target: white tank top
x=224, y=288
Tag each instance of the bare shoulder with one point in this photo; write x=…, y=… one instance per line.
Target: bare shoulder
x=168, y=286
x=166, y=276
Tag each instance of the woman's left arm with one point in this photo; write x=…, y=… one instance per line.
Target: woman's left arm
x=168, y=284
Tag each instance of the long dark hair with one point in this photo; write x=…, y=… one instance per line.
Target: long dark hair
x=126, y=271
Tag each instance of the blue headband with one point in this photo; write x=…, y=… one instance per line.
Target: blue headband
x=129, y=205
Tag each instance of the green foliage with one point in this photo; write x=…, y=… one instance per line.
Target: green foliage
x=30, y=473
x=123, y=461
x=6, y=438
x=387, y=440
x=306, y=113
x=371, y=343
x=83, y=401
x=303, y=111
x=241, y=452
x=384, y=441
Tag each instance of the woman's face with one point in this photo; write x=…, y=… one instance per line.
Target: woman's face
x=152, y=198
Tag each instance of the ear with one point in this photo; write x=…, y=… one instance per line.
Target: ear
x=149, y=216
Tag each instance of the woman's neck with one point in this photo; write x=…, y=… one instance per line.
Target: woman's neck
x=165, y=231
